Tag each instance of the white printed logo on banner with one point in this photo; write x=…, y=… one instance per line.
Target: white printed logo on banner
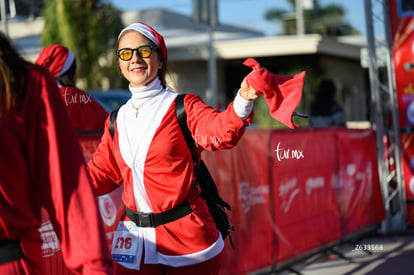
x=286, y=153
x=250, y=196
x=107, y=209
x=314, y=183
x=287, y=193
x=50, y=242
x=412, y=185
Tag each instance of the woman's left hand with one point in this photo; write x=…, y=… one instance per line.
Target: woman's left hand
x=247, y=92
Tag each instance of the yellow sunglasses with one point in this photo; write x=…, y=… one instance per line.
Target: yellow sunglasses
x=126, y=54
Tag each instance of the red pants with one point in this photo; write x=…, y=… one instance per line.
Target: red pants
x=210, y=267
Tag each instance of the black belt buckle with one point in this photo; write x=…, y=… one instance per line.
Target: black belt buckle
x=145, y=219
x=148, y=219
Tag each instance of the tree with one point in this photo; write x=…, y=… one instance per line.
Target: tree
x=87, y=28
x=327, y=20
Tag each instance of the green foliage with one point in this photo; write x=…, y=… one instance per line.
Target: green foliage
x=325, y=20
x=263, y=119
x=88, y=29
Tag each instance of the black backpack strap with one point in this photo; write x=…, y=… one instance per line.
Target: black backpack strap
x=209, y=190
x=112, y=120
x=182, y=121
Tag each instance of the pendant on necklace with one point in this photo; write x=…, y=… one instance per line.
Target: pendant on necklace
x=136, y=110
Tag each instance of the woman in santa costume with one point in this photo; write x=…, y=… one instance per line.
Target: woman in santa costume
x=85, y=112
x=42, y=166
x=149, y=155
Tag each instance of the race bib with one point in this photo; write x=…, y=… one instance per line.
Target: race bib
x=125, y=245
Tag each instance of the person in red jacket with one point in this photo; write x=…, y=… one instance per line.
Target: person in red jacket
x=42, y=167
x=149, y=155
x=85, y=112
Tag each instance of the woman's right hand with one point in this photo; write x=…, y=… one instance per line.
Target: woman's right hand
x=247, y=92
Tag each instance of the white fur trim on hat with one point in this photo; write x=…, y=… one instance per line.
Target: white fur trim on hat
x=68, y=62
x=144, y=30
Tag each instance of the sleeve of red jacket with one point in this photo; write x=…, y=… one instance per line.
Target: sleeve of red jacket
x=102, y=166
x=65, y=187
x=211, y=129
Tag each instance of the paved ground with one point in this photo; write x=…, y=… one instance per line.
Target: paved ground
x=379, y=255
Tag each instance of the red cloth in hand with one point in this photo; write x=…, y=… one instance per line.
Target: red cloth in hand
x=282, y=93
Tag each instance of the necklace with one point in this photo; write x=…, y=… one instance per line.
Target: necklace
x=138, y=107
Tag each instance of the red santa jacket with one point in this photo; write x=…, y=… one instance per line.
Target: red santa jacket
x=85, y=112
x=41, y=165
x=150, y=156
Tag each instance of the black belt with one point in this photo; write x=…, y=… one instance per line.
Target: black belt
x=10, y=251
x=143, y=219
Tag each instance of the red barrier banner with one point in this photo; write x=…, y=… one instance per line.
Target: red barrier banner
x=242, y=175
x=402, y=30
x=402, y=23
x=407, y=141
x=89, y=143
x=291, y=191
x=360, y=197
x=305, y=191
x=295, y=192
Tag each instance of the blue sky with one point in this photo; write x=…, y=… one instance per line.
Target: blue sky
x=247, y=13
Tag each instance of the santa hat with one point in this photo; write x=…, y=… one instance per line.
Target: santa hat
x=56, y=58
x=149, y=33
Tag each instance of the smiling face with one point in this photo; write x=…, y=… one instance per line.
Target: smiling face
x=138, y=71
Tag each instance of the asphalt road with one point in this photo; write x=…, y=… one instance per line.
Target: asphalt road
x=378, y=255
